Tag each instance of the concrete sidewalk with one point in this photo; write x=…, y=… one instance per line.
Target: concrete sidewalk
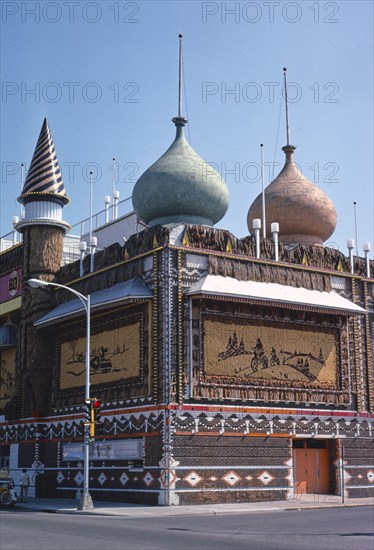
x=302, y=502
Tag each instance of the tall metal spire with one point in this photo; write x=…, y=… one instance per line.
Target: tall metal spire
x=179, y=120
x=180, y=77
x=286, y=100
x=263, y=193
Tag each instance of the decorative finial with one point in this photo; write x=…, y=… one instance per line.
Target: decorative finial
x=179, y=120
x=263, y=192
x=286, y=101
x=180, y=77
x=113, y=175
x=355, y=220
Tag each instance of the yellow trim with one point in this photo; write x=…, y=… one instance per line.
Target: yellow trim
x=238, y=257
x=113, y=266
x=229, y=246
x=356, y=332
x=262, y=261
x=185, y=239
x=11, y=248
x=150, y=331
x=11, y=305
x=78, y=319
x=180, y=329
x=369, y=361
x=155, y=328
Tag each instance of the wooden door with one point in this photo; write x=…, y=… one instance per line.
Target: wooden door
x=323, y=474
x=311, y=467
x=300, y=469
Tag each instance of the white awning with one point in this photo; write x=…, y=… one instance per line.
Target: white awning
x=134, y=289
x=216, y=285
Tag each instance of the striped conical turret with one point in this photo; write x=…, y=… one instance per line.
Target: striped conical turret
x=44, y=175
x=43, y=193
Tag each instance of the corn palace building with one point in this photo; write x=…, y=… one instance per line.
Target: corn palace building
x=229, y=369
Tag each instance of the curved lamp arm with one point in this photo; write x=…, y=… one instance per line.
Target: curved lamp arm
x=36, y=283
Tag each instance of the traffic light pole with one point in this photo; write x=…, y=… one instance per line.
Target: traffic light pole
x=85, y=502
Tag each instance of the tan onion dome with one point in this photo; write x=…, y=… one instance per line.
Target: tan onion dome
x=305, y=214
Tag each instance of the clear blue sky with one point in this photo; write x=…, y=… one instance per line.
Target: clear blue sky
x=105, y=75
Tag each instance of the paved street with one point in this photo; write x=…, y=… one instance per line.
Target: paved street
x=321, y=529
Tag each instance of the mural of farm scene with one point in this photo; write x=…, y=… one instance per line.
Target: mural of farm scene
x=7, y=376
x=254, y=352
x=115, y=355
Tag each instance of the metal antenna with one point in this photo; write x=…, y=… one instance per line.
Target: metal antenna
x=286, y=100
x=90, y=208
x=113, y=176
x=180, y=77
x=356, y=233
x=23, y=173
x=263, y=193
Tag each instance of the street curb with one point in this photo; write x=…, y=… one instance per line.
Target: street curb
x=319, y=507
x=176, y=513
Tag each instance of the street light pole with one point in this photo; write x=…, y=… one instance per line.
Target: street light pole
x=85, y=502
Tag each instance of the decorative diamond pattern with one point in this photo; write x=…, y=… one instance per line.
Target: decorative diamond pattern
x=102, y=478
x=60, y=478
x=124, y=478
x=231, y=478
x=347, y=476
x=79, y=478
x=265, y=478
x=148, y=478
x=370, y=475
x=193, y=479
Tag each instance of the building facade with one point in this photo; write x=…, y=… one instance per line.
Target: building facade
x=229, y=369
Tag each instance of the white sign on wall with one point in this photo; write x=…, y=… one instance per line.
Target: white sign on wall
x=127, y=449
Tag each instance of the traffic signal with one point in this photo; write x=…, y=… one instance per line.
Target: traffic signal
x=87, y=411
x=96, y=408
x=92, y=412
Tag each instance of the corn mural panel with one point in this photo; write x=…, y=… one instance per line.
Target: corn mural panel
x=7, y=376
x=263, y=352
x=115, y=355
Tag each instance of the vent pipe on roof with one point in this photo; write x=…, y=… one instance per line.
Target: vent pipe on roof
x=275, y=232
x=107, y=203
x=82, y=250
x=15, y=220
x=93, y=246
x=350, y=246
x=366, y=247
x=256, y=224
x=115, y=204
